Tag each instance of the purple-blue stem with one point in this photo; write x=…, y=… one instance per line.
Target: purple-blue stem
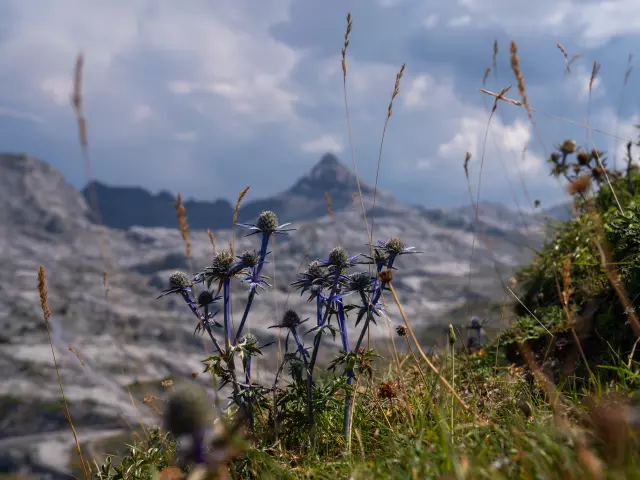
x=201, y=319
x=342, y=323
x=314, y=355
x=255, y=280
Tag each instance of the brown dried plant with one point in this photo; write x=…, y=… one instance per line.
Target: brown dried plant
x=515, y=66
x=212, y=239
x=184, y=226
x=42, y=289
x=327, y=201
x=236, y=209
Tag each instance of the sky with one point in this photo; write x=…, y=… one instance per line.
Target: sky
x=205, y=98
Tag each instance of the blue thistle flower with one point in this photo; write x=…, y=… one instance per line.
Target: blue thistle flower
x=267, y=224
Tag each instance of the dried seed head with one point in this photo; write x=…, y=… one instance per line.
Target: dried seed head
x=401, y=330
x=222, y=261
x=250, y=258
x=386, y=276
x=290, y=319
x=267, y=222
x=568, y=147
x=187, y=411
x=395, y=246
x=205, y=298
x=388, y=390
x=597, y=173
x=583, y=158
x=338, y=257
x=178, y=280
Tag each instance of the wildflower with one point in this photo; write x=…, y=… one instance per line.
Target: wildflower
x=249, y=258
x=290, y=320
x=267, y=224
x=359, y=282
x=313, y=276
x=339, y=259
x=206, y=298
x=452, y=336
x=583, y=158
x=401, y=330
x=568, y=147
x=222, y=267
x=178, y=283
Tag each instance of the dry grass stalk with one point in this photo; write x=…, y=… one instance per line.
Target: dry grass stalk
x=184, y=226
x=353, y=199
x=396, y=91
x=556, y=117
x=236, y=209
x=343, y=53
x=105, y=284
x=594, y=74
x=42, y=289
x=567, y=61
x=567, y=291
x=515, y=66
x=76, y=100
x=627, y=74
x=467, y=158
x=75, y=352
x=327, y=201
x=388, y=276
x=487, y=71
x=494, y=56
x=212, y=239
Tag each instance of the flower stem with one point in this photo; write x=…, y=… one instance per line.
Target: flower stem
x=256, y=278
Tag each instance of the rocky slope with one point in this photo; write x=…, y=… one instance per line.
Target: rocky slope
x=108, y=330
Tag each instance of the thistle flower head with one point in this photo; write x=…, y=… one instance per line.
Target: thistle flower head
x=267, y=224
x=339, y=259
x=290, y=320
x=178, y=280
x=567, y=147
x=316, y=269
x=249, y=258
x=359, y=282
x=401, y=330
x=222, y=261
x=394, y=247
x=178, y=283
x=206, y=298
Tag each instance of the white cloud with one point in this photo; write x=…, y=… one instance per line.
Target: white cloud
x=185, y=136
x=424, y=164
x=592, y=22
x=58, y=89
x=141, y=112
x=416, y=95
x=325, y=143
x=510, y=139
x=431, y=21
x=13, y=113
x=460, y=21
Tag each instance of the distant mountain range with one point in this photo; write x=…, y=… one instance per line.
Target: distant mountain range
x=125, y=207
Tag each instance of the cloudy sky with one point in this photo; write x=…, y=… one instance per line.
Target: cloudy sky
x=205, y=97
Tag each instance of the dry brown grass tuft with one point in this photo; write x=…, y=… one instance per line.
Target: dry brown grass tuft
x=594, y=74
x=184, y=226
x=494, y=55
x=467, y=159
x=515, y=66
x=579, y=185
x=327, y=201
x=212, y=239
x=42, y=289
x=236, y=209
x=567, y=61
